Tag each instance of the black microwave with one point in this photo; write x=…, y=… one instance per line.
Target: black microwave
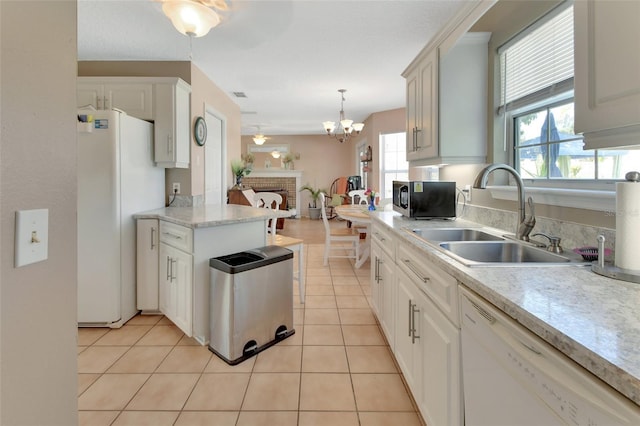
x=425, y=199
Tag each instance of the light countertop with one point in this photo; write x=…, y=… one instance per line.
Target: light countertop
x=211, y=215
x=592, y=319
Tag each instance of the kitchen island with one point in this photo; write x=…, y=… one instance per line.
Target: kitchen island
x=593, y=320
x=174, y=245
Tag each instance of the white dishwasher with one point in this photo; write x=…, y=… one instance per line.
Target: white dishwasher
x=513, y=378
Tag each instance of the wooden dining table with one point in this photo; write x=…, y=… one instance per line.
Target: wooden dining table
x=358, y=215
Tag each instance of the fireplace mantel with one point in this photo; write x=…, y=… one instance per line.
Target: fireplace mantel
x=274, y=172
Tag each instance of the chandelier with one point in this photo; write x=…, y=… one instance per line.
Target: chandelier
x=193, y=17
x=345, y=127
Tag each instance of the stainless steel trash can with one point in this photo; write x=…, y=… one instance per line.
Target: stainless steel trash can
x=251, y=302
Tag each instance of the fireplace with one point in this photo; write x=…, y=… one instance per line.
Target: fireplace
x=288, y=180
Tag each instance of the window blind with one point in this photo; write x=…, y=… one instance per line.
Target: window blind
x=538, y=63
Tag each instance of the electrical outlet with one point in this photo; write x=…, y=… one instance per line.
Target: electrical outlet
x=176, y=188
x=467, y=192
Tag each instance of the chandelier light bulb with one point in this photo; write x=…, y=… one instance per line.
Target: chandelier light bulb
x=329, y=126
x=347, y=126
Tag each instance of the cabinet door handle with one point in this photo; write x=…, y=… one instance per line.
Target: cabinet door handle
x=153, y=231
x=168, y=266
x=106, y=103
x=169, y=234
x=172, y=262
x=375, y=270
x=169, y=145
x=413, y=324
x=415, y=271
x=410, y=317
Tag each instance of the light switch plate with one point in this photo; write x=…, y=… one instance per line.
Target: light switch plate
x=32, y=236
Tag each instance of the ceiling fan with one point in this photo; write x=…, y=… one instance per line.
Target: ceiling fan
x=194, y=18
x=259, y=138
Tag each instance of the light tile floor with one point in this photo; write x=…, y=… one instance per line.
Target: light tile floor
x=337, y=368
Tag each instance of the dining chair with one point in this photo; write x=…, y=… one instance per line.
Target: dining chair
x=335, y=238
x=272, y=201
x=362, y=200
x=268, y=200
x=360, y=193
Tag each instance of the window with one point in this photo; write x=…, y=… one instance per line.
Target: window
x=537, y=100
x=393, y=163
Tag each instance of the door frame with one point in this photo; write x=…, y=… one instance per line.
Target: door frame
x=208, y=109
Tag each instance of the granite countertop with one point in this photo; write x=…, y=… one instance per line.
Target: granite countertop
x=592, y=319
x=211, y=215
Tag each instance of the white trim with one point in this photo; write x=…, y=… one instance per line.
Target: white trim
x=209, y=109
x=577, y=198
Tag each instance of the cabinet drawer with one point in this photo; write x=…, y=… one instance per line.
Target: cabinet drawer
x=439, y=286
x=384, y=239
x=177, y=236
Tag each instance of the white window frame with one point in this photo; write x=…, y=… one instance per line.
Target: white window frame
x=584, y=194
x=383, y=170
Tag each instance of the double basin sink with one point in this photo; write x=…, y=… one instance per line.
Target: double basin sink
x=475, y=247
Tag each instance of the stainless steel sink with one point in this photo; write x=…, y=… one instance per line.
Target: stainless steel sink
x=455, y=234
x=506, y=253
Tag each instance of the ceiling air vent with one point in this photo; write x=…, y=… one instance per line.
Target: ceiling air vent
x=239, y=94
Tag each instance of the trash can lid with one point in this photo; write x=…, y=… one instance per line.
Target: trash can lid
x=250, y=259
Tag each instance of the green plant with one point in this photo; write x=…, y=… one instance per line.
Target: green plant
x=239, y=168
x=315, y=194
x=248, y=158
x=287, y=158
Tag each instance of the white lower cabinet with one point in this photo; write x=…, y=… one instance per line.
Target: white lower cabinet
x=408, y=344
x=383, y=281
x=175, y=286
x=176, y=276
x=147, y=237
x=427, y=336
x=440, y=400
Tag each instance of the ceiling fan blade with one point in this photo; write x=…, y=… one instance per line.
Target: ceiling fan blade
x=218, y=4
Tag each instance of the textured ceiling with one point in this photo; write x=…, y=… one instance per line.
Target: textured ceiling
x=288, y=57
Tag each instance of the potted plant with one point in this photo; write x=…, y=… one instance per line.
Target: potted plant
x=239, y=169
x=287, y=160
x=248, y=159
x=314, y=208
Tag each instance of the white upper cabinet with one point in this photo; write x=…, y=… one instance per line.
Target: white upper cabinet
x=447, y=95
x=607, y=72
x=422, y=108
x=134, y=98
x=172, y=129
x=163, y=100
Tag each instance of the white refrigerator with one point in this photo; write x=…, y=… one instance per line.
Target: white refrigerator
x=116, y=179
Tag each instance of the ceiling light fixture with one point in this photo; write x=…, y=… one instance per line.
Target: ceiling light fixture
x=275, y=154
x=259, y=138
x=193, y=17
x=348, y=126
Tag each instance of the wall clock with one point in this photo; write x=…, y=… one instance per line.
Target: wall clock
x=200, y=131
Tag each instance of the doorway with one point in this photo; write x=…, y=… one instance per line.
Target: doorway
x=215, y=153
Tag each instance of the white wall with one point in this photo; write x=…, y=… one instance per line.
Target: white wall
x=38, y=368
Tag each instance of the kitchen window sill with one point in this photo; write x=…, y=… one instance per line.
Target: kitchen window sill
x=576, y=198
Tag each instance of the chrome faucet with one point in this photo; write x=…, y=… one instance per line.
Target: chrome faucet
x=525, y=224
